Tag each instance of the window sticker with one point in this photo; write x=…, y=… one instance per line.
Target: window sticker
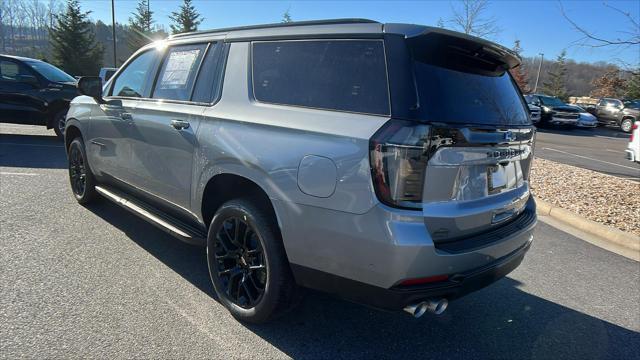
x=179, y=66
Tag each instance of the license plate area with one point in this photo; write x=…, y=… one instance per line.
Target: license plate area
x=501, y=177
x=496, y=178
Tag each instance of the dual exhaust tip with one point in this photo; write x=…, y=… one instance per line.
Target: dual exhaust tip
x=434, y=306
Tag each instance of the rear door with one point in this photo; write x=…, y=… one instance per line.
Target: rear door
x=165, y=125
x=112, y=123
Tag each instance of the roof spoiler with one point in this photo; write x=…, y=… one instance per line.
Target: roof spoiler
x=441, y=45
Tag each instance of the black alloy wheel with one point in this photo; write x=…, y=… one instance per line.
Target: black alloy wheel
x=240, y=260
x=80, y=175
x=77, y=171
x=247, y=261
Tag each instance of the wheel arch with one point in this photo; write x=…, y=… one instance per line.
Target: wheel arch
x=72, y=131
x=226, y=186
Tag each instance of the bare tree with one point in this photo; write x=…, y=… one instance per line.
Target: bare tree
x=470, y=17
x=590, y=38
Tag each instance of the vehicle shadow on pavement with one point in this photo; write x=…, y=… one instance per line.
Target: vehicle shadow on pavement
x=501, y=321
x=32, y=151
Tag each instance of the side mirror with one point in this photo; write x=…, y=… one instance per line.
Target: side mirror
x=91, y=86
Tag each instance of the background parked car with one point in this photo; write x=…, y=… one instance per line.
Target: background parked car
x=618, y=112
x=586, y=119
x=554, y=110
x=34, y=92
x=633, y=148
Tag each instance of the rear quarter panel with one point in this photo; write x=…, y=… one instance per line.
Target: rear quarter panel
x=266, y=143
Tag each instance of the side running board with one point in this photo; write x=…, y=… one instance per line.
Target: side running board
x=172, y=226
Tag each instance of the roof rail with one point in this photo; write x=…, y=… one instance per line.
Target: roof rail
x=276, y=25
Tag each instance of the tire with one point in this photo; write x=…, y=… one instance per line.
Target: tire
x=249, y=267
x=80, y=176
x=58, y=123
x=626, y=125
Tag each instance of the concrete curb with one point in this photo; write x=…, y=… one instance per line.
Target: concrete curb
x=611, y=235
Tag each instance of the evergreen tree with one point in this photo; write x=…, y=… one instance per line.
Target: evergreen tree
x=140, y=26
x=556, y=85
x=520, y=74
x=186, y=19
x=632, y=88
x=286, y=17
x=73, y=42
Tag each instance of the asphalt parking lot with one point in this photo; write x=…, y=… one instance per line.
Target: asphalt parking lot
x=599, y=149
x=95, y=281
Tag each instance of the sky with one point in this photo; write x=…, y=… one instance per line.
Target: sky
x=539, y=25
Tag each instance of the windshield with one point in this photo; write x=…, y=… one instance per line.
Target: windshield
x=551, y=101
x=452, y=96
x=50, y=72
x=634, y=104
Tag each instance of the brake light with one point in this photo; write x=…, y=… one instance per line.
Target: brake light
x=398, y=156
x=426, y=280
x=633, y=130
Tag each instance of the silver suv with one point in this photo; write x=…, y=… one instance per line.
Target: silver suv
x=385, y=163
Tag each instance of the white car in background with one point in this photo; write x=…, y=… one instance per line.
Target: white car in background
x=633, y=148
x=587, y=120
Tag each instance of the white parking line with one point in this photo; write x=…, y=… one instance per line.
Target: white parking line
x=38, y=145
x=18, y=173
x=588, y=158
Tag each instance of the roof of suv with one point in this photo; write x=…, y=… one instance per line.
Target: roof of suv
x=20, y=58
x=338, y=28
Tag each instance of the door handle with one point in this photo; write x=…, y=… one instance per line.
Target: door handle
x=180, y=124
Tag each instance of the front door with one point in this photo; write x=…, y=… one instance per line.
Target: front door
x=108, y=146
x=19, y=94
x=113, y=123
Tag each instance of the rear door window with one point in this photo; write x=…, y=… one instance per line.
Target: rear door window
x=345, y=75
x=178, y=73
x=207, y=88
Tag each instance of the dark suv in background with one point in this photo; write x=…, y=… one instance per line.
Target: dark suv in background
x=554, y=110
x=34, y=92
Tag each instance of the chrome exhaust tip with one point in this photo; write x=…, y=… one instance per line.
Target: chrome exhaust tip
x=437, y=306
x=416, y=310
x=434, y=306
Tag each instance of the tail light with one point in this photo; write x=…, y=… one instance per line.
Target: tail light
x=633, y=130
x=398, y=155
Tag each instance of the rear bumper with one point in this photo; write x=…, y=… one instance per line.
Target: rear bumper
x=363, y=257
x=398, y=298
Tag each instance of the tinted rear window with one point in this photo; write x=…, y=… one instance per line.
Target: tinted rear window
x=452, y=96
x=346, y=75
